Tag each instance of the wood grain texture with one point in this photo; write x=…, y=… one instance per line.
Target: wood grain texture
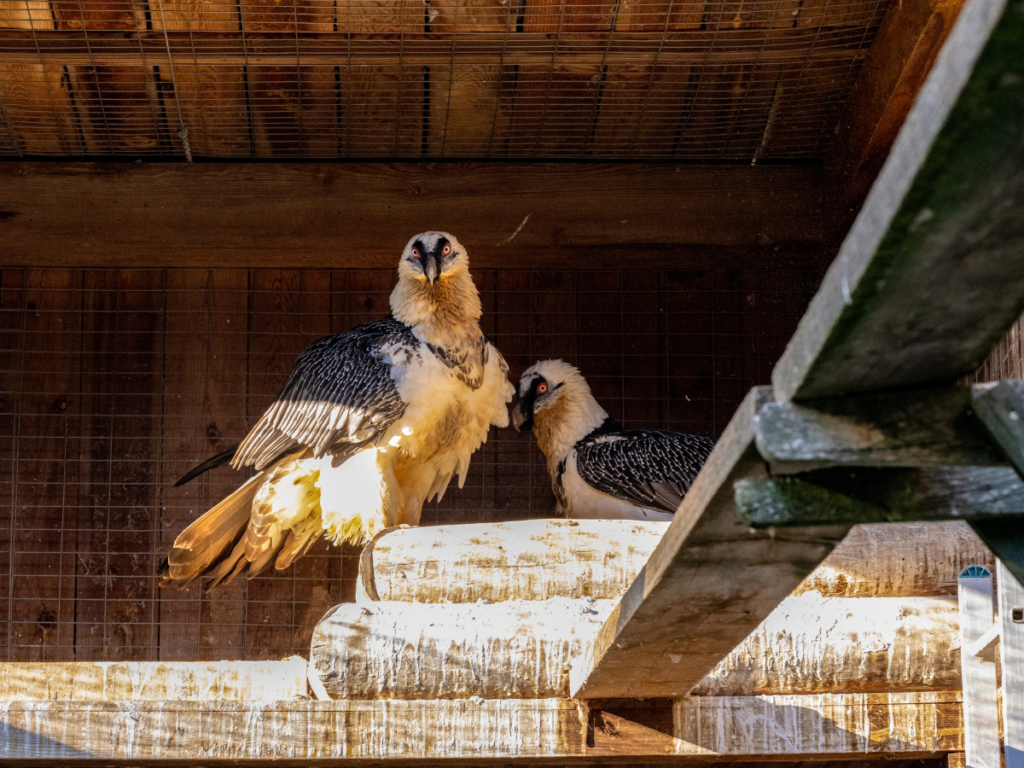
x=898, y=560
x=515, y=649
x=527, y=560
x=936, y=427
x=205, y=349
x=407, y=732
x=299, y=215
x=815, y=644
x=42, y=543
x=901, y=55
x=154, y=681
x=875, y=495
x=934, y=235
x=708, y=584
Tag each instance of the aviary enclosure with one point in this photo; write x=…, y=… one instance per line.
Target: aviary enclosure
x=192, y=192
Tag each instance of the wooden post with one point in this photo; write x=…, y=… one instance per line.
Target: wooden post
x=981, y=730
x=1011, y=652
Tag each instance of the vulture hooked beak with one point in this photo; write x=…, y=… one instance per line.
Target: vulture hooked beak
x=430, y=268
x=523, y=422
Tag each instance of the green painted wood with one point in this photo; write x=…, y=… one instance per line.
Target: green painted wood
x=908, y=428
x=839, y=496
x=932, y=272
x=1001, y=411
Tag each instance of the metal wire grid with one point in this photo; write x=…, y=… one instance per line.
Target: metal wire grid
x=113, y=384
x=450, y=78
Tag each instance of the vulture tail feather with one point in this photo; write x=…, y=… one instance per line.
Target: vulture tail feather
x=213, y=462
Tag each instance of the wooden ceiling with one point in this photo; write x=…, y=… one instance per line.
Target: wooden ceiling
x=730, y=80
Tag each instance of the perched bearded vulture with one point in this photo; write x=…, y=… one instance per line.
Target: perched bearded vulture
x=370, y=425
x=598, y=469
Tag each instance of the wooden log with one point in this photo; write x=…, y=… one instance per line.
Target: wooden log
x=875, y=495
x=815, y=644
x=924, y=428
x=288, y=215
x=154, y=681
x=832, y=724
x=709, y=583
x=898, y=560
x=1000, y=408
x=981, y=715
x=907, y=725
x=516, y=649
x=934, y=235
x=528, y=560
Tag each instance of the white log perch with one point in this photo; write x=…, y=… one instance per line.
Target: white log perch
x=153, y=681
x=899, y=560
x=528, y=560
x=516, y=649
x=814, y=644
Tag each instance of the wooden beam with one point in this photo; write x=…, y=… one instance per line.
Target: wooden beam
x=875, y=495
x=922, y=428
x=708, y=584
x=154, y=681
x=901, y=55
x=735, y=46
x=910, y=299
x=494, y=562
x=899, y=560
x=463, y=730
x=1000, y=409
x=361, y=215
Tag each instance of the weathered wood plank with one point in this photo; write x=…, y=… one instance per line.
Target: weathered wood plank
x=513, y=730
x=899, y=560
x=815, y=644
x=1011, y=663
x=981, y=726
x=876, y=495
x=935, y=427
x=527, y=560
x=708, y=584
x=154, y=681
x=296, y=215
x=1001, y=411
x=515, y=649
x=901, y=55
x=909, y=298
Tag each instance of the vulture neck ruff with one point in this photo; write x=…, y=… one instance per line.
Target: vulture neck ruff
x=567, y=421
x=445, y=313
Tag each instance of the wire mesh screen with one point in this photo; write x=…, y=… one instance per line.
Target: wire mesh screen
x=646, y=79
x=114, y=383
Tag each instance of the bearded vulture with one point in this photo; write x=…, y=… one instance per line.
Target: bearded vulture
x=598, y=469
x=369, y=425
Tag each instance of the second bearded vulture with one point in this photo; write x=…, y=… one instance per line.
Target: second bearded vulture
x=369, y=425
x=598, y=469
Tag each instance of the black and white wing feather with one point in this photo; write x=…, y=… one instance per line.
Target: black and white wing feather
x=341, y=390
x=650, y=468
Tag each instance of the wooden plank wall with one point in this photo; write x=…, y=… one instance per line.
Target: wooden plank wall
x=114, y=382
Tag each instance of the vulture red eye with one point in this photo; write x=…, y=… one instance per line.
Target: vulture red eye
x=447, y=250
x=542, y=388
x=416, y=252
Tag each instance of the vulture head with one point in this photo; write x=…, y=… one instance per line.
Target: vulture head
x=550, y=392
x=431, y=257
